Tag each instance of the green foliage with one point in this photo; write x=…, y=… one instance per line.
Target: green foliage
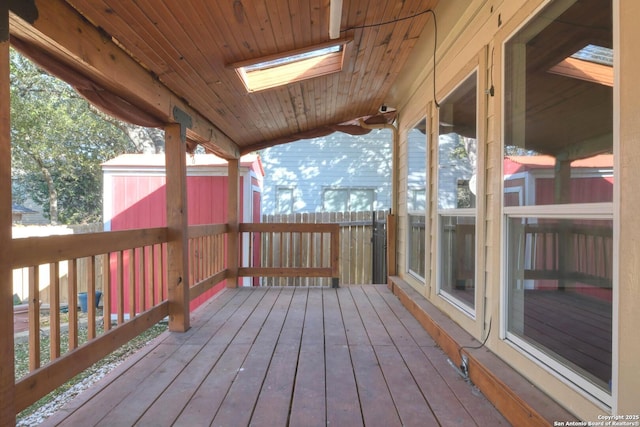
x=58, y=144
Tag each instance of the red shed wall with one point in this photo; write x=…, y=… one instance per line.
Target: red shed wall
x=140, y=202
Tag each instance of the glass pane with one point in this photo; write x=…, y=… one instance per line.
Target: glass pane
x=417, y=245
x=416, y=166
x=559, y=107
x=361, y=200
x=335, y=200
x=560, y=291
x=457, y=257
x=457, y=148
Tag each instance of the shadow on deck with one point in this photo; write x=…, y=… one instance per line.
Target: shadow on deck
x=283, y=356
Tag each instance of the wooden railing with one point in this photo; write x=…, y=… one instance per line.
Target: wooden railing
x=134, y=256
x=207, y=257
x=294, y=250
x=569, y=254
x=129, y=268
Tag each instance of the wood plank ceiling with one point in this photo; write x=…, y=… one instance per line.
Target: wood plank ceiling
x=188, y=46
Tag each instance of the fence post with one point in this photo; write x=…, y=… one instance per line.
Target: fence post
x=233, y=196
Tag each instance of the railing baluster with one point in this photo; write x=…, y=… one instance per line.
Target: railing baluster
x=132, y=282
x=54, y=310
x=72, y=306
x=91, y=290
x=34, y=318
x=142, y=278
x=106, y=291
x=120, y=286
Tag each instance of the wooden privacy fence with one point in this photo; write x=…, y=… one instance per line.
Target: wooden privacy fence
x=358, y=255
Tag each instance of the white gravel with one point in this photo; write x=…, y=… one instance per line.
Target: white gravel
x=62, y=399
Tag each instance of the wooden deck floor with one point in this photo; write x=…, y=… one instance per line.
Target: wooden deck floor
x=288, y=357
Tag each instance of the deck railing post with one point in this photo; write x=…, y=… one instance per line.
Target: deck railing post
x=7, y=376
x=177, y=256
x=233, y=238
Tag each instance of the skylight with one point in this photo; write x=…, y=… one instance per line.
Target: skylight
x=277, y=70
x=596, y=54
x=592, y=63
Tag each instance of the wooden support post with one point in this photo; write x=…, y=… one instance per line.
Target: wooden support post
x=233, y=215
x=7, y=376
x=177, y=261
x=391, y=245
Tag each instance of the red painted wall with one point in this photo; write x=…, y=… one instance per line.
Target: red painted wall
x=140, y=202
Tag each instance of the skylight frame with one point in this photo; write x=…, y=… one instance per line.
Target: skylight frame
x=293, y=66
x=592, y=63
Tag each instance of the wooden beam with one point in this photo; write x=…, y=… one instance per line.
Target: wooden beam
x=177, y=246
x=7, y=376
x=233, y=215
x=70, y=38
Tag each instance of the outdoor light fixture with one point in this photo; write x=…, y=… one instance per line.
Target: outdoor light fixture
x=335, y=16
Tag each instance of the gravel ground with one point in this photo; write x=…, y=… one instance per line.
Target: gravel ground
x=50, y=408
x=51, y=403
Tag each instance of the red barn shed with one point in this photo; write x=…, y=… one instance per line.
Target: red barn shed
x=135, y=196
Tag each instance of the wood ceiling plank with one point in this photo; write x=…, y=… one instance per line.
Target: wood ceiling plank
x=223, y=83
x=186, y=44
x=183, y=56
x=390, y=52
x=57, y=30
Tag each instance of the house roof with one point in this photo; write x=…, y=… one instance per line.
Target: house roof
x=144, y=161
x=513, y=164
x=19, y=209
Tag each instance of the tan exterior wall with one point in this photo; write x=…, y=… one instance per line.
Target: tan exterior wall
x=476, y=40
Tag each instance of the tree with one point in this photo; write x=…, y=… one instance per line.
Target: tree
x=59, y=142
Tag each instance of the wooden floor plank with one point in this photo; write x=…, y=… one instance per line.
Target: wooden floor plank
x=206, y=401
x=419, y=334
x=122, y=387
x=334, y=330
x=354, y=328
x=274, y=401
x=343, y=402
x=396, y=330
x=204, y=404
x=483, y=413
x=290, y=357
x=376, y=330
x=441, y=399
x=308, y=407
x=171, y=403
x=235, y=409
x=128, y=411
x=378, y=408
x=410, y=404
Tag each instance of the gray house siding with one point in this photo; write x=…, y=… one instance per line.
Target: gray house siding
x=324, y=174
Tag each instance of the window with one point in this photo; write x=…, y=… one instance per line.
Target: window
x=277, y=70
x=457, y=167
x=284, y=200
x=348, y=199
x=558, y=191
x=416, y=198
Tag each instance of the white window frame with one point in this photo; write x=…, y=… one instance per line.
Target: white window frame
x=414, y=212
x=590, y=211
x=459, y=212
